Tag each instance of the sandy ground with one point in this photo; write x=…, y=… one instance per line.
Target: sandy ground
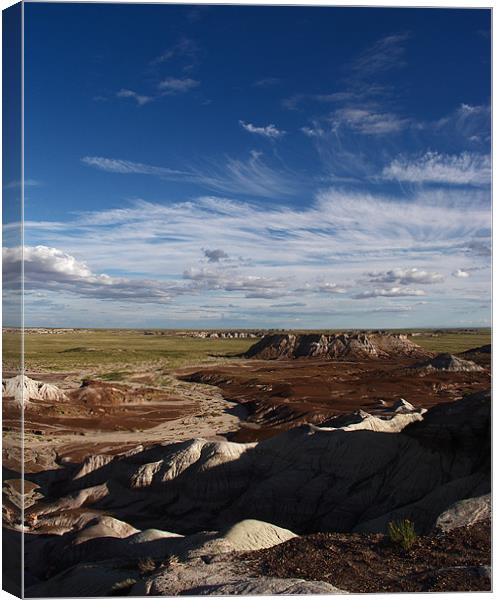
x=186, y=411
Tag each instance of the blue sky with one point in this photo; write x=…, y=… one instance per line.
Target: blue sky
x=256, y=166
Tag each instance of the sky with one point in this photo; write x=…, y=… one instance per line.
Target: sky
x=229, y=166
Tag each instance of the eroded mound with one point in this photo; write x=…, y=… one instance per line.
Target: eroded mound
x=480, y=355
x=377, y=476
x=346, y=346
x=450, y=363
x=22, y=390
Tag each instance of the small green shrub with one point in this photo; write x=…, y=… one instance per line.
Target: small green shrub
x=402, y=533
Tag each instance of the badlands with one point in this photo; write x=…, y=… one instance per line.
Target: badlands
x=268, y=466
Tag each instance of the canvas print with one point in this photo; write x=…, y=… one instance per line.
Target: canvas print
x=247, y=299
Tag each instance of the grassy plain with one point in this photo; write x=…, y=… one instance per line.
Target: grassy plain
x=117, y=351
x=454, y=341
x=112, y=353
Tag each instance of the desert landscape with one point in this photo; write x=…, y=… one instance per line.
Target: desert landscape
x=247, y=307
x=161, y=462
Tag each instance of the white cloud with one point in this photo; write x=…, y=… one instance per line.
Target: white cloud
x=172, y=85
x=368, y=122
x=186, y=48
x=463, y=169
x=393, y=292
x=312, y=253
x=113, y=165
x=406, y=276
x=253, y=286
x=269, y=131
x=52, y=269
x=330, y=288
x=17, y=184
x=139, y=98
x=313, y=131
x=252, y=176
x=385, y=54
x=461, y=273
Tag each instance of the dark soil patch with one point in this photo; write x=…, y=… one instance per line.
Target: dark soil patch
x=372, y=563
x=280, y=395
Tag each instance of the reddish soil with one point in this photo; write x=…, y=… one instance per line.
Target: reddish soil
x=282, y=394
x=372, y=563
x=97, y=407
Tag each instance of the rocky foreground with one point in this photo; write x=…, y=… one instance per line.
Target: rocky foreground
x=229, y=518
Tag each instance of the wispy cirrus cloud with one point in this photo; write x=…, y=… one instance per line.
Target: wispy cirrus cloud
x=186, y=49
x=320, y=252
x=467, y=168
x=368, y=122
x=12, y=185
x=114, y=165
x=267, y=82
x=139, y=98
x=252, y=176
x=174, y=85
x=268, y=131
x=386, y=54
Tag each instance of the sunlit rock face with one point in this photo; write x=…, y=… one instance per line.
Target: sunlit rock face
x=22, y=390
x=350, y=346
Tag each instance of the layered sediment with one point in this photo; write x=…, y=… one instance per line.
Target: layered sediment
x=345, y=346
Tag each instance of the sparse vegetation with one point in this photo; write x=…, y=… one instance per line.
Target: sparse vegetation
x=121, y=349
x=114, y=376
x=121, y=588
x=402, y=533
x=127, y=349
x=172, y=561
x=146, y=565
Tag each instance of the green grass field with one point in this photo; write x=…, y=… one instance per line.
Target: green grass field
x=114, y=352
x=454, y=342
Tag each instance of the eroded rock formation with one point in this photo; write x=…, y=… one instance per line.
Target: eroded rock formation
x=346, y=346
x=22, y=390
x=308, y=479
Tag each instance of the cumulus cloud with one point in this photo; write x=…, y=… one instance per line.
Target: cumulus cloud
x=253, y=286
x=52, y=269
x=173, y=85
x=269, y=131
x=330, y=288
x=393, y=292
x=461, y=274
x=406, y=276
x=215, y=255
x=466, y=168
